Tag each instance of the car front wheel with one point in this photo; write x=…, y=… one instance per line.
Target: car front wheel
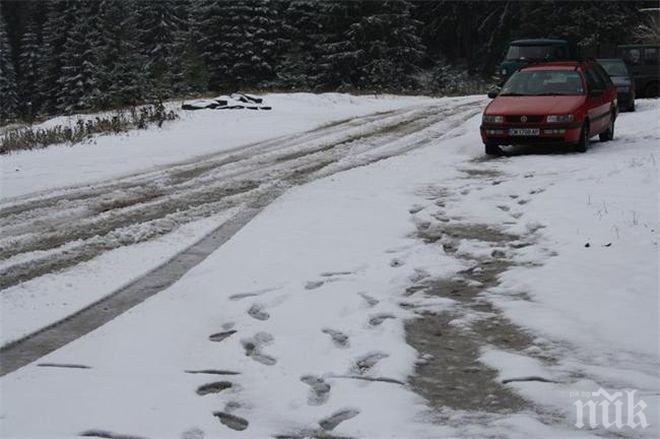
x=583, y=144
x=492, y=149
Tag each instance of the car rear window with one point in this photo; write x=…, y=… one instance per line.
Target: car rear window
x=544, y=82
x=536, y=52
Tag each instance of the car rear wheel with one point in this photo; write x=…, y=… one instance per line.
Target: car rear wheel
x=632, y=105
x=492, y=149
x=583, y=144
x=609, y=133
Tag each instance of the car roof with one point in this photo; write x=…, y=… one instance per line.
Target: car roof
x=537, y=41
x=556, y=65
x=637, y=46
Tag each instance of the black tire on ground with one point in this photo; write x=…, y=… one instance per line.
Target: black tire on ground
x=608, y=134
x=583, y=144
x=632, y=106
x=492, y=149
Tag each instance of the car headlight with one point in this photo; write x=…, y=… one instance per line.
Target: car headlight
x=559, y=118
x=488, y=118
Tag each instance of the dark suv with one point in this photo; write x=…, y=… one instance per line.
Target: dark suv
x=522, y=52
x=643, y=61
x=621, y=77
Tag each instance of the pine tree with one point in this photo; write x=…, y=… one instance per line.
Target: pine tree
x=158, y=25
x=8, y=88
x=211, y=19
x=120, y=80
x=337, y=57
x=80, y=68
x=189, y=71
x=29, y=65
x=301, y=30
x=387, y=45
x=241, y=42
x=54, y=36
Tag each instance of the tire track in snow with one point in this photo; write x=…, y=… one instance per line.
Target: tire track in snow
x=273, y=167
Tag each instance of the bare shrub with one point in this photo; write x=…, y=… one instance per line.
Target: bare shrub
x=84, y=129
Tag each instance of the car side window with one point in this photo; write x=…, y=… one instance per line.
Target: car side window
x=605, y=78
x=593, y=81
x=651, y=56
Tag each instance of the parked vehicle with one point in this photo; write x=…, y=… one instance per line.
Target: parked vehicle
x=522, y=52
x=623, y=80
x=643, y=61
x=551, y=103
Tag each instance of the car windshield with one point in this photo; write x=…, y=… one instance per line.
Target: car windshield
x=614, y=67
x=536, y=52
x=543, y=82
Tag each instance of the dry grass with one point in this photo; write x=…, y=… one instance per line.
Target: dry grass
x=118, y=122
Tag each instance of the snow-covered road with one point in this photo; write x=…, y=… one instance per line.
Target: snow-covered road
x=394, y=283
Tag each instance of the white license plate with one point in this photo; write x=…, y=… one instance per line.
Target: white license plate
x=524, y=131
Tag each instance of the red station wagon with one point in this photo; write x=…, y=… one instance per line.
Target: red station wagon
x=551, y=103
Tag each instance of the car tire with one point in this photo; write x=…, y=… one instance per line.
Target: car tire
x=608, y=134
x=583, y=144
x=492, y=149
x=632, y=106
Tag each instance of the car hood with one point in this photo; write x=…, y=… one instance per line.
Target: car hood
x=534, y=105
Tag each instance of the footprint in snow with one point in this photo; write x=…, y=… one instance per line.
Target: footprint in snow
x=331, y=422
x=336, y=273
x=371, y=301
x=320, y=390
x=232, y=421
x=193, y=433
x=240, y=296
x=215, y=387
x=338, y=338
x=217, y=337
x=213, y=372
x=364, y=363
x=503, y=207
x=312, y=285
x=396, y=262
x=257, y=312
x=378, y=319
x=108, y=435
x=254, y=293
x=253, y=347
x=64, y=365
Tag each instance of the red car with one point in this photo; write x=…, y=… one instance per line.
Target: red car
x=566, y=102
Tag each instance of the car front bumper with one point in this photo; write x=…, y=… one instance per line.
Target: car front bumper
x=548, y=134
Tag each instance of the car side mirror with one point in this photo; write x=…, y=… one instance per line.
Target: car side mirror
x=493, y=94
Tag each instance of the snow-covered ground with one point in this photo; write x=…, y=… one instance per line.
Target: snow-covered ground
x=196, y=133
x=295, y=327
